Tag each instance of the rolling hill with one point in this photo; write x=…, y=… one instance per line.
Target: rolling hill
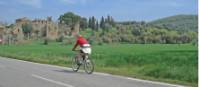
x=181, y=23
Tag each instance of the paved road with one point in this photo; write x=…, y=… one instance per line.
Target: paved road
x=17, y=73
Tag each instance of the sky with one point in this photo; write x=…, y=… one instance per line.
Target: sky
x=121, y=10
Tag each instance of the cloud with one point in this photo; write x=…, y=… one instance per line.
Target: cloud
x=69, y=1
x=33, y=3
x=175, y=4
x=83, y=2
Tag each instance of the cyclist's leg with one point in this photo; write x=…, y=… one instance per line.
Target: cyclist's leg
x=82, y=54
x=80, y=57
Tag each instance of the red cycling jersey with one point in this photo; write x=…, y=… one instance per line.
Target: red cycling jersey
x=81, y=41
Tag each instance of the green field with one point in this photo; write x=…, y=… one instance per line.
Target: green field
x=169, y=63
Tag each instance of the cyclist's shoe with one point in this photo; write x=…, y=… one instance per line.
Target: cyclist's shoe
x=87, y=61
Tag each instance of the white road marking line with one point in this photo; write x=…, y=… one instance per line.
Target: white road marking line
x=153, y=82
x=47, y=65
x=103, y=74
x=140, y=80
x=52, y=81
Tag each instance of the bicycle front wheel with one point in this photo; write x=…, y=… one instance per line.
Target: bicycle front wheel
x=88, y=66
x=75, y=66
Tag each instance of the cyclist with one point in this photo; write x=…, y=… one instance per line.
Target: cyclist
x=85, y=47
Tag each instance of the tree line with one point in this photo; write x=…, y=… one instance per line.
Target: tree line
x=107, y=30
x=70, y=18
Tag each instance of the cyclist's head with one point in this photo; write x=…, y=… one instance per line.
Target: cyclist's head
x=76, y=35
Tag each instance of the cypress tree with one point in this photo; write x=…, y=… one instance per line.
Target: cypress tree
x=90, y=23
x=102, y=23
x=93, y=22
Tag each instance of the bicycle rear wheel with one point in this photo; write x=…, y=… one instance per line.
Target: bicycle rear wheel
x=88, y=66
x=75, y=66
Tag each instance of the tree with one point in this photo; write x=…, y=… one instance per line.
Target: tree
x=136, y=31
x=109, y=19
x=69, y=18
x=45, y=41
x=27, y=28
x=102, y=23
x=83, y=23
x=107, y=23
x=112, y=22
x=10, y=26
x=93, y=23
x=97, y=26
x=90, y=22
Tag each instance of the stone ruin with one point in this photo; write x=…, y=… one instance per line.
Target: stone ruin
x=6, y=35
x=40, y=29
x=45, y=28
x=10, y=36
x=1, y=34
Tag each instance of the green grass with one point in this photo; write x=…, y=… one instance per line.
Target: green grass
x=169, y=63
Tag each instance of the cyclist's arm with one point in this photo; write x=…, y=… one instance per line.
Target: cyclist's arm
x=73, y=49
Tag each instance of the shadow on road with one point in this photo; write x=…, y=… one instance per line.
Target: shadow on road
x=69, y=71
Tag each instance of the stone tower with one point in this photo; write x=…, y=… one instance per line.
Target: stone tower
x=76, y=27
x=51, y=29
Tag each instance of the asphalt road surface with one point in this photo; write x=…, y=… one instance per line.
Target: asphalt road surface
x=17, y=73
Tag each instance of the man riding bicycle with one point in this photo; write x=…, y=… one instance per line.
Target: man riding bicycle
x=85, y=47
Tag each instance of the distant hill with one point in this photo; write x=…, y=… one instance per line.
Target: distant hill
x=182, y=23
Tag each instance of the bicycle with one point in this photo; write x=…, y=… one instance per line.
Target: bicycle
x=85, y=60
